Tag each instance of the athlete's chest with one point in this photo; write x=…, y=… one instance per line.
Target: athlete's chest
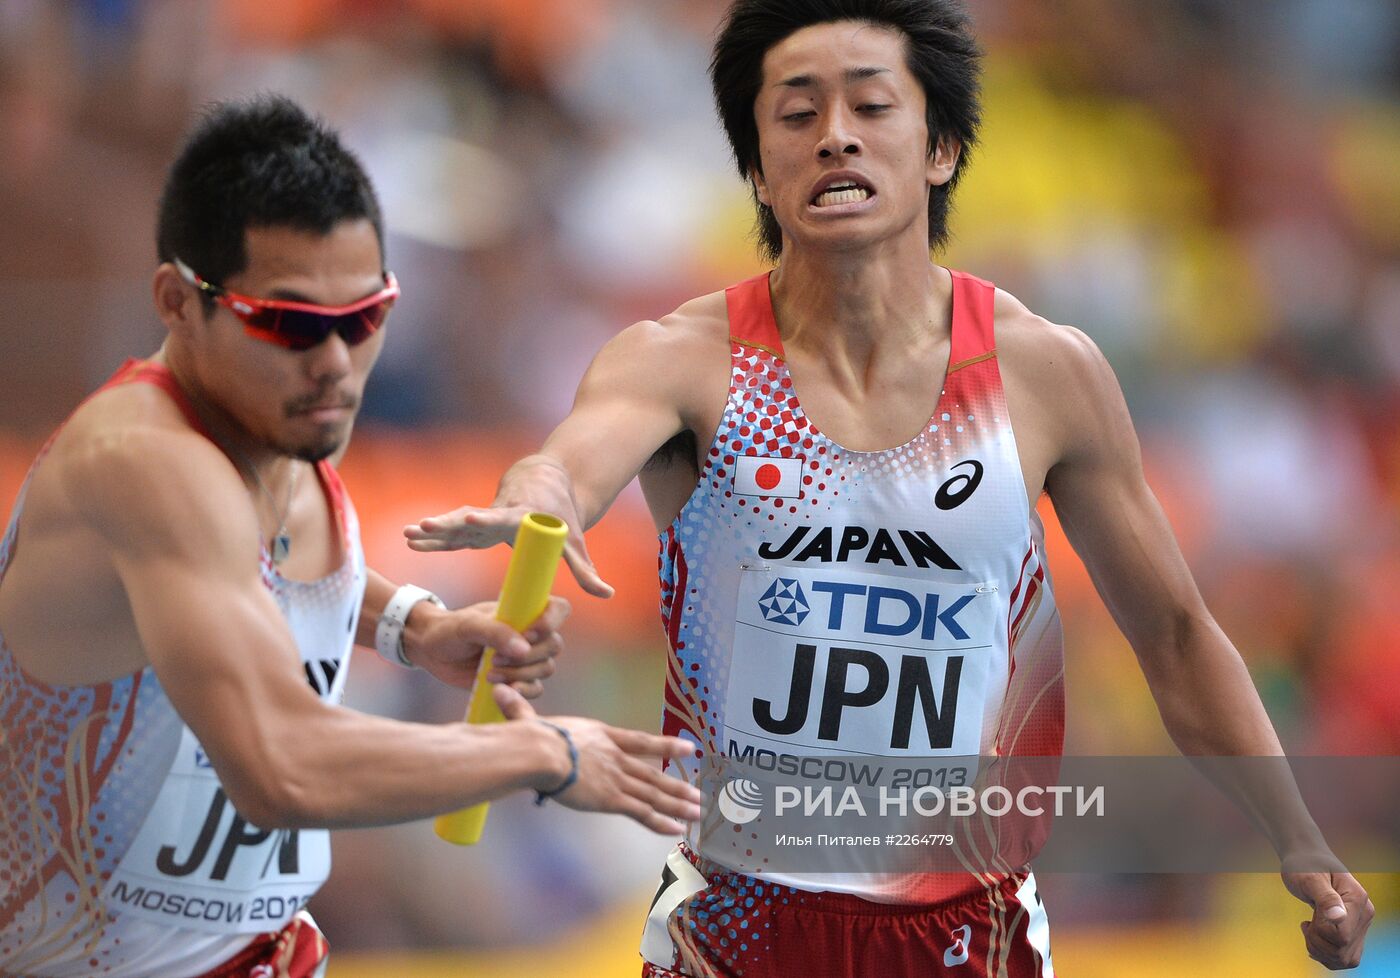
x=907, y=420
x=867, y=407
x=774, y=483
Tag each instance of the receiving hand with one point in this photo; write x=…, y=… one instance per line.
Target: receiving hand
x=449, y=644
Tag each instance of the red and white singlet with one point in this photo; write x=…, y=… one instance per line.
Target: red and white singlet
x=889, y=605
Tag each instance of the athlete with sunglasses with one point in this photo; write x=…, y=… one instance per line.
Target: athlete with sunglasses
x=181, y=584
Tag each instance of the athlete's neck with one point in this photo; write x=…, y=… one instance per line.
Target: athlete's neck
x=852, y=306
x=256, y=460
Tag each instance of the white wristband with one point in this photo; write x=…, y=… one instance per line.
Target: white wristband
x=388, y=634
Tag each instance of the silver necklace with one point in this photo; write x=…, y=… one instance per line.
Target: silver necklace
x=282, y=542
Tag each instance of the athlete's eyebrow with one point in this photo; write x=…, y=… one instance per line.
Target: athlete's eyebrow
x=797, y=81
x=861, y=74
x=850, y=74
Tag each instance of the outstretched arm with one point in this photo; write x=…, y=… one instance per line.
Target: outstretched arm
x=183, y=536
x=1207, y=700
x=628, y=405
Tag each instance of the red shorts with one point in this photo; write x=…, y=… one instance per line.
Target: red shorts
x=298, y=950
x=738, y=925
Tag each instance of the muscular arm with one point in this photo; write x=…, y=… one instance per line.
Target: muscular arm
x=1203, y=690
x=628, y=405
x=635, y=396
x=1207, y=699
x=182, y=534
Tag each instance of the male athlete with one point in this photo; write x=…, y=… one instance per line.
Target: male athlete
x=848, y=521
x=182, y=582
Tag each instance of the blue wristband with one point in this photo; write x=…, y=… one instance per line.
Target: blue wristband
x=542, y=796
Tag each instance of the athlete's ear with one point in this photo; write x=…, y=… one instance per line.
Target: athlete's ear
x=943, y=160
x=760, y=187
x=177, y=303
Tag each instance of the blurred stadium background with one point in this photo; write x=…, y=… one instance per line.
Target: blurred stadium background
x=1210, y=188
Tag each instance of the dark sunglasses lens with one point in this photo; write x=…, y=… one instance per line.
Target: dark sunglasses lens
x=360, y=326
x=302, y=330
x=298, y=329
x=262, y=319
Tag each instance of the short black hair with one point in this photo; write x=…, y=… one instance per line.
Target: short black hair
x=941, y=52
x=264, y=162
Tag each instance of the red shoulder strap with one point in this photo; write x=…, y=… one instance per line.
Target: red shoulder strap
x=135, y=371
x=132, y=371
x=973, y=338
x=334, y=488
x=751, y=320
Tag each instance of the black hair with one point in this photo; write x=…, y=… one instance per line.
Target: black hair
x=264, y=162
x=941, y=54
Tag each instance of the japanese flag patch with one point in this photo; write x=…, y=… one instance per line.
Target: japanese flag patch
x=777, y=478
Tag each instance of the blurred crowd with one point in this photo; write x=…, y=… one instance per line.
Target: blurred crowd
x=1207, y=187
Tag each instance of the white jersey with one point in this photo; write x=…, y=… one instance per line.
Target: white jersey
x=121, y=855
x=890, y=604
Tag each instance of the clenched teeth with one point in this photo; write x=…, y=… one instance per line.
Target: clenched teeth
x=842, y=193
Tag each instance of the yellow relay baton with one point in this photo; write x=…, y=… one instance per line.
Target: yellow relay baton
x=539, y=543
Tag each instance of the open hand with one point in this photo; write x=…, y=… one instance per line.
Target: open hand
x=618, y=770
x=479, y=527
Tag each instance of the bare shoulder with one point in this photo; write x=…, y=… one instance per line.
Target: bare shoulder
x=705, y=316
x=129, y=464
x=1059, y=387
x=697, y=327
x=671, y=357
x=1042, y=351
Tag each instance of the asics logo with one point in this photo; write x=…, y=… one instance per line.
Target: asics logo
x=958, y=953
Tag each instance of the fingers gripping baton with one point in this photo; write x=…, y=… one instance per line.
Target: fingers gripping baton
x=539, y=543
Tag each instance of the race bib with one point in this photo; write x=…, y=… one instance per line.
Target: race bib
x=845, y=662
x=197, y=864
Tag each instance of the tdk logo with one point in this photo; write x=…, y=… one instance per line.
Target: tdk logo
x=784, y=602
x=959, y=952
x=873, y=609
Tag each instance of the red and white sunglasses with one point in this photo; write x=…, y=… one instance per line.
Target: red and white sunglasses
x=301, y=325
